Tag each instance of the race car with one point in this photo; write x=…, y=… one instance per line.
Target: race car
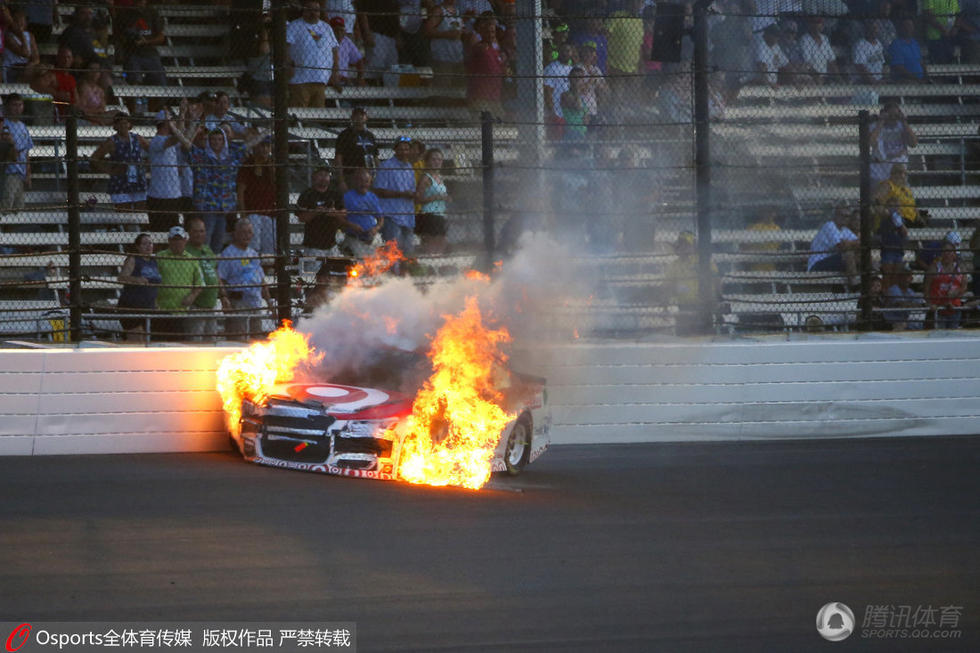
x=358, y=431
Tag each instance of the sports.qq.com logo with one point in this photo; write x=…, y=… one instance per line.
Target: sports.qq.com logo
x=835, y=621
x=17, y=638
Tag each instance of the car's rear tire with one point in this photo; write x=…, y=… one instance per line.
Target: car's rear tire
x=518, y=449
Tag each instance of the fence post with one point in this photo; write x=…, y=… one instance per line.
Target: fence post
x=486, y=140
x=74, y=230
x=706, y=285
x=280, y=126
x=864, y=148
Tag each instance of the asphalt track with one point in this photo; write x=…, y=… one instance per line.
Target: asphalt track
x=659, y=547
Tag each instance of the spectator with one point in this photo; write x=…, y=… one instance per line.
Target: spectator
x=321, y=210
x=682, y=283
x=946, y=286
x=101, y=46
x=893, y=235
x=552, y=46
x=141, y=279
x=555, y=84
x=124, y=151
x=444, y=29
x=486, y=66
x=593, y=32
x=942, y=33
x=258, y=73
x=770, y=60
x=164, y=192
x=343, y=9
x=869, y=55
x=180, y=284
x=257, y=197
x=351, y=63
x=215, y=168
x=220, y=116
x=835, y=247
x=140, y=31
x=929, y=250
x=20, y=53
x=886, y=26
x=891, y=138
x=414, y=45
x=432, y=195
x=18, y=174
x=41, y=18
x=625, y=34
x=905, y=55
x=79, y=36
x=818, y=55
x=91, y=97
x=595, y=90
x=313, y=54
x=895, y=194
x=207, y=300
x=574, y=110
x=395, y=186
x=61, y=86
x=380, y=29
x=356, y=147
x=471, y=10
x=365, y=217
x=768, y=224
x=244, y=282
x=898, y=294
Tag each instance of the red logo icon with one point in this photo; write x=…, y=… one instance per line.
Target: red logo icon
x=22, y=631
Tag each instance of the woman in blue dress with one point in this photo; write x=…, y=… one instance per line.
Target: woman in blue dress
x=140, y=278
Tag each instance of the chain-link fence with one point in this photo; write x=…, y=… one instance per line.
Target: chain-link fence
x=702, y=162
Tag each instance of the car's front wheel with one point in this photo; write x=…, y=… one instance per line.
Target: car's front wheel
x=518, y=450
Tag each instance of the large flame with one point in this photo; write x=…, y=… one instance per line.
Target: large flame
x=253, y=372
x=383, y=259
x=457, y=418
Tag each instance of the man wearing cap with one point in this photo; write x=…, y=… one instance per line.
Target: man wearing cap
x=180, y=284
x=350, y=62
x=395, y=185
x=356, y=147
x=313, y=53
x=835, y=247
x=244, y=282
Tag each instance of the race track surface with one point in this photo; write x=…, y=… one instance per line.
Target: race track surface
x=659, y=547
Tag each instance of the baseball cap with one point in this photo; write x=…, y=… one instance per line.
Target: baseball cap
x=337, y=21
x=176, y=231
x=953, y=237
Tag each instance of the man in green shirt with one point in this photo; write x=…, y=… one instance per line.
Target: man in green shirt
x=197, y=247
x=180, y=286
x=942, y=29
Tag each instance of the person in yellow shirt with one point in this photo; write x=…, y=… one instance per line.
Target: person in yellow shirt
x=681, y=283
x=762, y=245
x=896, y=193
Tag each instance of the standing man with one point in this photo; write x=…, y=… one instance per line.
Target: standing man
x=163, y=194
x=257, y=197
x=313, y=54
x=356, y=147
x=180, y=284
x=395, y=186
x=18, y=173
x=244, y=283
x=197, y=247
x=140, y=30
x=321, y=210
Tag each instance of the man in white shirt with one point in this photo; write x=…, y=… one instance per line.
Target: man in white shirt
x=769, y=57
x=818, y=55
x=313, y=54
x=556, y=79
x=18, y=173
x=835, y=247
x=869, y=55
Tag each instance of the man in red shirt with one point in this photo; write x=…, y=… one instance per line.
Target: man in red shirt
x=257, y=198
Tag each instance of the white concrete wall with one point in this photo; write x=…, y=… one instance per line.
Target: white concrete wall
x=67, y=401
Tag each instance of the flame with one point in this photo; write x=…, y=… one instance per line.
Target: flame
x=476, y=275
x=252, y=373
x=383, y=259
x=457, y=418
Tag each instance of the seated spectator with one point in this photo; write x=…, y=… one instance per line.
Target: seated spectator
x=432, y=195
x=444, y=29
x=770, y=221
x=899, y=295
x=141, y=280
x=394, y=183
x=121, y=157
x=946, y=287
x=140, y=30
x=905, y=55
x=313, y=56
x=942, y=33
x=682, y=283
x=241, y=274
x=365, y=217
x=17, y=174
x=868, y=55
x=321, y=210
x=351, y=63
x=486, y=65
x=595, y=90
x=770, y=60
x=57, y=81
x=886, y=25
x=893, y=235
x=891, y=138
x=20, y=53
x=818, y=54
x=79, y=36
x=92, y=98
x=257, y=197
x=929, y=250
x=895, y=194
x=220, y=115
x=835, y=247
x=180, y=285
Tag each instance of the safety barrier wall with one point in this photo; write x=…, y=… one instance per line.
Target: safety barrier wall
x=55, y=401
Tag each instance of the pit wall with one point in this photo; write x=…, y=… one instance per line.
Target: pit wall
x=121, y=400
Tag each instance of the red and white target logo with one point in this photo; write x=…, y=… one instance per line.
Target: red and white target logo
x=339, y=398
x=18, y=637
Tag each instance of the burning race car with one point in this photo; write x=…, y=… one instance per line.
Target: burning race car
x=357, y=431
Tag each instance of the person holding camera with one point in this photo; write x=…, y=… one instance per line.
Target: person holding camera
x=891, y=138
